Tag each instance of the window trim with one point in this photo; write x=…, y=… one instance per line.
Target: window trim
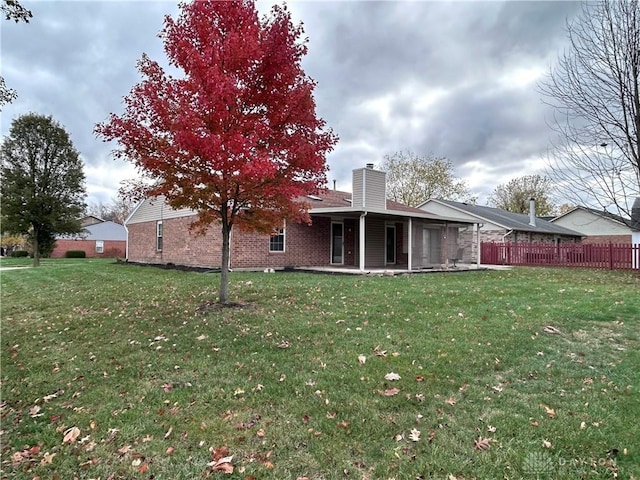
x=332, y=246
x=281, y=232
x=99, y=246
x=159, y=235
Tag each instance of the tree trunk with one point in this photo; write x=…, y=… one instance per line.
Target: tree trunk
x=36, y=248
x=224, y=271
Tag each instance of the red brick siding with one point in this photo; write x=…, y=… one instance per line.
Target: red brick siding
x=111, y=248
x=179, y=245
x=618, y=239
x=304, y=245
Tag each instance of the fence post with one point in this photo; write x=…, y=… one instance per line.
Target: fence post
x=610, y=256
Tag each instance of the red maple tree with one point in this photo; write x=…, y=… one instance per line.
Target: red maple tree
x=236, y=137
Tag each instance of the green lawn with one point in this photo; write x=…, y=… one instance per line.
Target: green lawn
x=121, y=372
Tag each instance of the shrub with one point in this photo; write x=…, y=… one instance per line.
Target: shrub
x=19, y=253
x=75, y=254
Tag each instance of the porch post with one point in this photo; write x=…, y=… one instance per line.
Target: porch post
x=410, y=251
x=361, y=238
x=477, y=244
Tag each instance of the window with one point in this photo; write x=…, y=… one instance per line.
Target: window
x=159, y=235
x=276, y=241
x=99, y=246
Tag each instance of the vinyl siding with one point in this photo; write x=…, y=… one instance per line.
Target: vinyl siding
x=589, y=224
x=369, y=189
x=154, y=209
x=374, y=243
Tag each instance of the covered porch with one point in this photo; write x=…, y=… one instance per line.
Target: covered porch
x=390, y=241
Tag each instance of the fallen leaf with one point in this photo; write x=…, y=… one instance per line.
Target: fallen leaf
x=35, y=411
x=392, y=376
x=343, y=424
x=71, y=435
x=546, y=444
x=166, y=435
x=47, y=458
x=222, y=465
x=136, y=462
x=419, y=378
x=379, y=353
x=362, y=359
x=432, y=435
x=391, y=392
x=552, y=330
x=143, y=468
x=170, y=451
x=124, y=450
x=551, y=413
x=451, y=401
x=414, y=436
x=482, y=443
x=534, y=423
x=260, y=433
x=491, y=429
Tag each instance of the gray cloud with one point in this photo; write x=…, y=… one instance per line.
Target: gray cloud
x=456, y=79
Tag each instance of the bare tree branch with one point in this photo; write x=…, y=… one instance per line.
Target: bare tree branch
x=595, y=93
x=414, y=179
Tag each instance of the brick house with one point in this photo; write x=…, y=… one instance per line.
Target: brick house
x=496, y=225
x=597, y=226
x=99, y=239
x=362, y=230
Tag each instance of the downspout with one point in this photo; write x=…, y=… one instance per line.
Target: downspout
x=507, y=256
x=361, y=246
x=126, y=248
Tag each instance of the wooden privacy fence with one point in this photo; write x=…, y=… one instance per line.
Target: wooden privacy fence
x=610, y=256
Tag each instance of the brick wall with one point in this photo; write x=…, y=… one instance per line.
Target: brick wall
x=304, y=245
x=179, y=245
x=619, y=239
x=111, y=248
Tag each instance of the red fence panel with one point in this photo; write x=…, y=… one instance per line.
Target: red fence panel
x=608, y=256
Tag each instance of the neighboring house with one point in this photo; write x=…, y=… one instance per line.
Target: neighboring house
x=362, y=230
x=597, y=226
x=90, y=220
x=104, y=239
x=497, y=225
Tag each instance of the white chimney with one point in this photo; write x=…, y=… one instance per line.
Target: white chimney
x=369, y=188
x=532, y=212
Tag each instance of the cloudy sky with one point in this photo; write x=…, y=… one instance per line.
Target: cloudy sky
x=450, y=78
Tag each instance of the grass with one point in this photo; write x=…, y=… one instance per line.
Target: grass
x=161, y=384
